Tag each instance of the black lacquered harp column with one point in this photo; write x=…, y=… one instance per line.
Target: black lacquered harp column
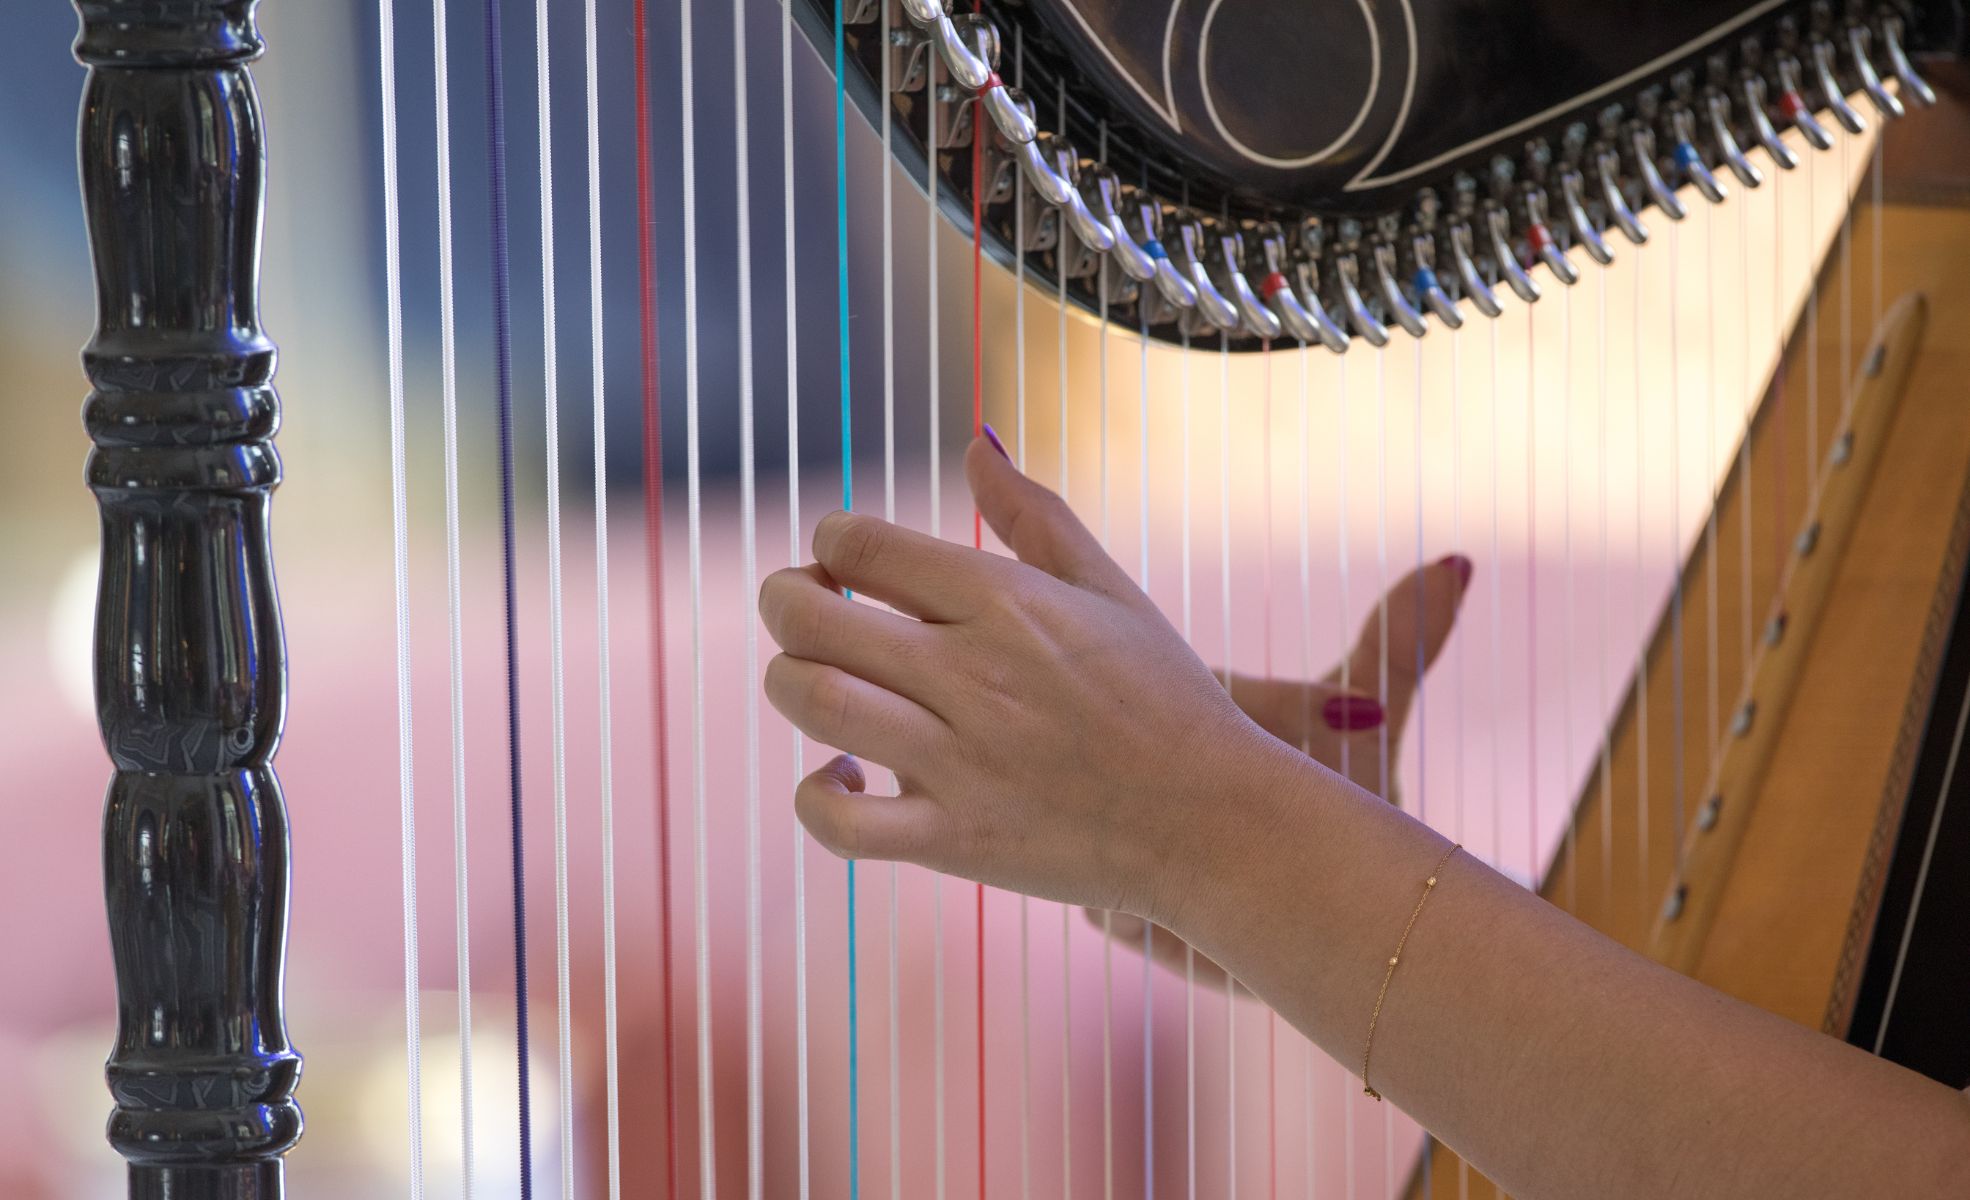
x=190, y=671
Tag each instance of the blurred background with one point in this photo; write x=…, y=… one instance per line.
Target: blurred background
x=1569, y=449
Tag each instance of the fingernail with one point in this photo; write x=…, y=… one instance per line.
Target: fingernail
x=1350, y=714
x=992, y=437
x=1463, y=566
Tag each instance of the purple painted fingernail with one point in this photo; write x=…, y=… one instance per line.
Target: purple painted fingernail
x=993, y=437
x=1351, y=714
x=1462, y=565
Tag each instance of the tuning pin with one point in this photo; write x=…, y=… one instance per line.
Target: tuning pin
x=1718, y=106
x=1885, y=102
x=1170, y=277
x=1363, y=322
x=1751, y=86
x=1258, y=318
x=1793, y=107
x=1607, y=170
x=1917, y=88
x=1641, y=141
x=1470, y=279
x=1540, y=241
x=1304, y=289
x=1276, y=291
x=1689, y=160
x=1498, y=230
x=1347, y=279
x=1400, y=310
x=1573, y=194
x=1429, y=289
x=1830, y=90
x=1210, y=303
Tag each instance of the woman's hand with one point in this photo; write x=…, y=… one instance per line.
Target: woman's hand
x=1050, y=732
x=1340, y=721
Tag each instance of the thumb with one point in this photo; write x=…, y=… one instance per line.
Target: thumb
x=1417, y=614
x=1037, y=525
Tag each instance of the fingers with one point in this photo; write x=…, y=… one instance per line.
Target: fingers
x=811, y=620
x=927, y=577
x=1418, y=614
x=1038, y=526
x=841, y=816
x=839, y=709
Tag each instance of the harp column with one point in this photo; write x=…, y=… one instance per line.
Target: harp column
x=190, y=666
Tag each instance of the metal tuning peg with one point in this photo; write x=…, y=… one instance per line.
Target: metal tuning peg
x=1572, y=182
x=1382, y=253
x=1573, y=194
x=1276, y=290
x=1252, y=311
x=1793, y=107
x=909, y=59
x=1093, y=232
x=1422, y=252
x=1718, y=107
x=1917, y=88
x=1689, y=160
x=1641, y=142
x=1607, y=174
x=1304, y=287
x=1498, y=233
x=969, y=46
x=1429, y=288
x=1540, y=240
x=1751, y=86
x=1821, y=54
x=1347, y=279
x=1210, y=303
x=1859, y=39
x=1463, y=250
x=1103, y=197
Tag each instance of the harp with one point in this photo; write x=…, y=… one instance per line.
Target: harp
x=1417, y=228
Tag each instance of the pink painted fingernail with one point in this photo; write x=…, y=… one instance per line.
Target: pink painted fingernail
x=1462, y=565
x=1351, y=714
x=993, y=437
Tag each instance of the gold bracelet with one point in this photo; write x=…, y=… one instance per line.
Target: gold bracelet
x=1429, y=885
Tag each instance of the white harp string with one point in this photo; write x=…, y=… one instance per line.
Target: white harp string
x=791, y=293
x=1189, y=952
x=1306, y=693
x=557, y=660
x=400, y=558
x=605, y=726
x=1224, y=613
x=749, y=600
x=1019, y=457
x=1066, y=911
x=454, y=590
x=794, y=558
x=694, y=503
x=934, y=321
x=894, y=948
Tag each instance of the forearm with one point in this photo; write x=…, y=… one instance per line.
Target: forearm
x=1558, y=1062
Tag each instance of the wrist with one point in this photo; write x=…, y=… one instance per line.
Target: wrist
x=1255, y=807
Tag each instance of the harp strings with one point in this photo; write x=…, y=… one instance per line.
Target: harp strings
x=749, y=599
x=605, y=727
x=653, y=534
x=795, y=556
x=454, y=589
x=557, y=656
x=400, y=562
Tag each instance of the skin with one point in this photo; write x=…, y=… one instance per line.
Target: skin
x=1052, y=734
